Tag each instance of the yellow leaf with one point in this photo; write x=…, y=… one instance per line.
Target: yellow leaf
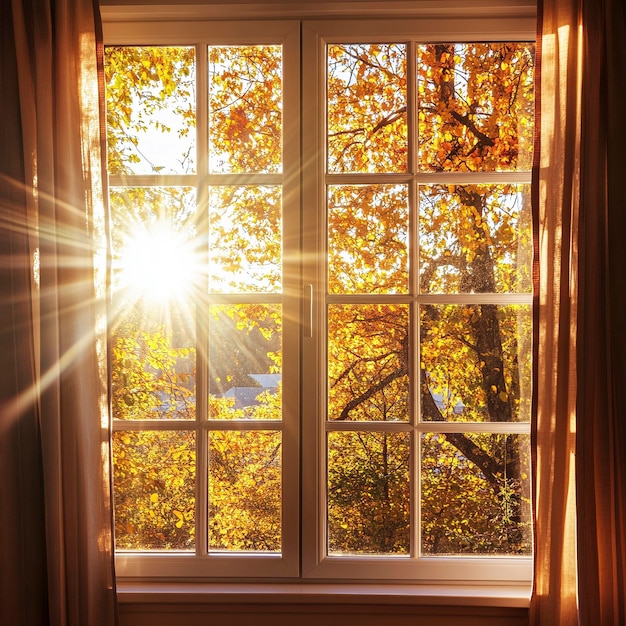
x=154, y=497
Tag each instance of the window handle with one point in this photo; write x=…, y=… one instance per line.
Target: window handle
x=307, y=311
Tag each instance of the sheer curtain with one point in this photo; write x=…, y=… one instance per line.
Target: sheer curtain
x=580, y=211
x=56, y=546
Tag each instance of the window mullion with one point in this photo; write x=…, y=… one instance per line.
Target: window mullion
x=202, y=378
x=414, y=273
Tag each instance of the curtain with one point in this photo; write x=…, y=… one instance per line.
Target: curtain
x=601, y=336
x=56, y=544
x=579, y=427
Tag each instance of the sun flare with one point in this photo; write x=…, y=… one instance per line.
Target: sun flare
x=156, y=263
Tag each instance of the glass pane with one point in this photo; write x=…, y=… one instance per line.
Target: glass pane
x=245, y=361
x=153, y=365
x=476, y=362
x=368, y=239
x=368, y=493
x=154, y=268
x=366, y=114
x=368, y=372
x=154, y=488
x=245, y=491
x=156, y=257
x=475, y=106
x=151, y=109
x=245, y=109
x=245, y=239
x=475, y=239
x=475, y=494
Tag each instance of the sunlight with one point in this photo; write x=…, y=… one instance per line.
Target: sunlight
x=157, y=264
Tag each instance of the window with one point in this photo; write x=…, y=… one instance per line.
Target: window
x=421, y=212
x=321, y=352
x=203, y=157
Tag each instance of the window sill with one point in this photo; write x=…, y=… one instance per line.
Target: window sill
x=509, y=596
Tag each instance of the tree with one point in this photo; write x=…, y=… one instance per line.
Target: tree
x=474, y=114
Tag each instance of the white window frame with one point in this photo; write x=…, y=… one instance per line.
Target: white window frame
x=316, y=563
x=308, y=561
x=202, y=563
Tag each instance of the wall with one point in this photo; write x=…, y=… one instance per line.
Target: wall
x=190, y=614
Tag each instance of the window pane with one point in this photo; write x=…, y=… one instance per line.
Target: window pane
x=366, y=110
x=153, y=365
x=475, y=104
x=368, y=239
x=156, y=257
x=476, y=362
x=245, y=491
x=154, y=489
x=368, y=493
x=152, y=324
x=245, y=239
x=245, y=361
x=475, y=239
x=475, y=494
x=245, y=109
x=368, y=373
x=151, y=109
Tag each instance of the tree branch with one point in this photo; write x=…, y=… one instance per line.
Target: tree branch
x=381, y=384
x=485, y=140
x=486, y=463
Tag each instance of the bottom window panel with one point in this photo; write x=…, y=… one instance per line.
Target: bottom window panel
x=245, y=491
x=368, y=493
x=475, y=494
x=154, y=488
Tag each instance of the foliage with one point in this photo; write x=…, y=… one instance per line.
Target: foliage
x=154, y=470
x=245, y=108
x=150, y=93
x=368, y=493
x=468, y=362
x=154, y=480
x=474, y=114
x=244, y=491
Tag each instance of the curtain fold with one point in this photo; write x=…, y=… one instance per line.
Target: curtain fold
x=556, y=189
x=580, y=414
x=23, y=578
x=601, y=336
x=54, y=425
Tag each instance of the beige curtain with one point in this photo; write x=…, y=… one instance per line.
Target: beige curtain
x=580, y=412
x=56, y=546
